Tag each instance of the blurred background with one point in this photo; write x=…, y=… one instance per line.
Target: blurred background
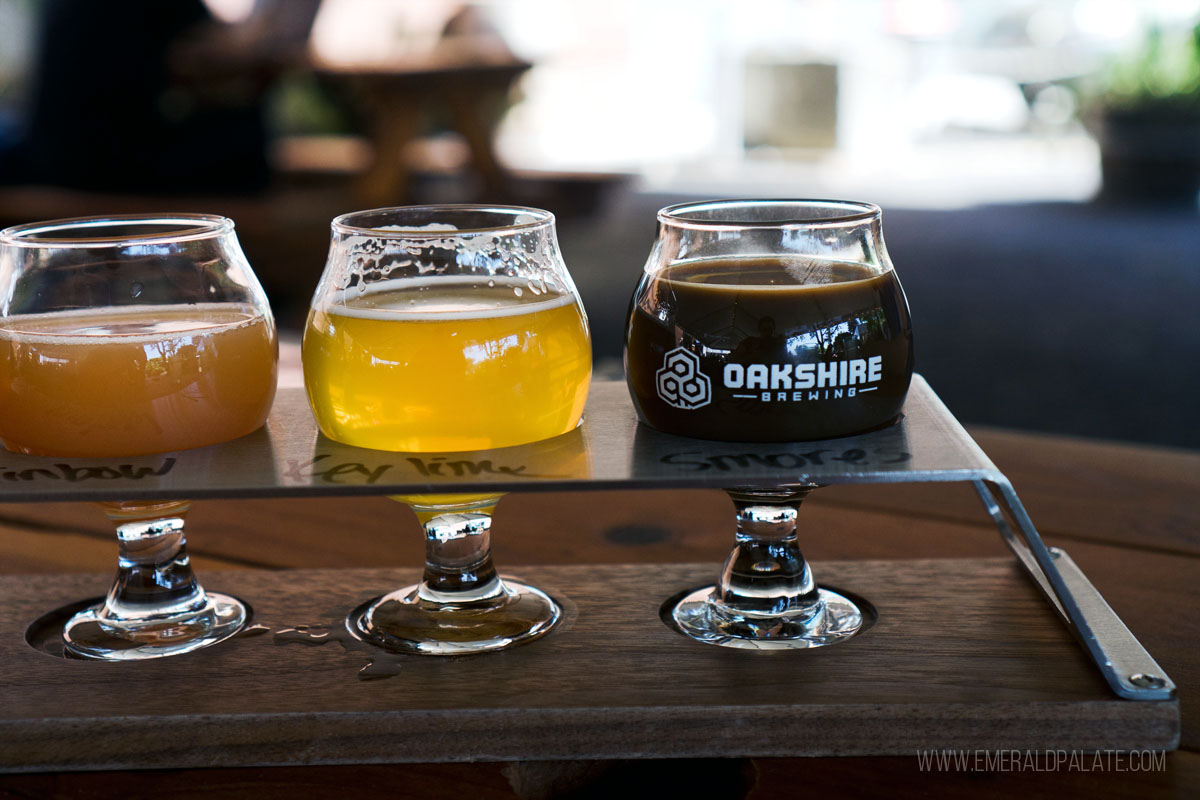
x=1038, y=162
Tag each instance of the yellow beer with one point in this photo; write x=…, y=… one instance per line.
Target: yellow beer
x=456, y=363
x=133, y=380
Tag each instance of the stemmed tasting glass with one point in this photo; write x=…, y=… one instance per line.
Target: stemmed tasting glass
x=446, y=329
x=126, y=336
x=768, y=321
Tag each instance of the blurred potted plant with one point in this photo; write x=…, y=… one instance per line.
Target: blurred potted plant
x=1146, y=117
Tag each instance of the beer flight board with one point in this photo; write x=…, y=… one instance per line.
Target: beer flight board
x=609, y=450
x=1001, y=671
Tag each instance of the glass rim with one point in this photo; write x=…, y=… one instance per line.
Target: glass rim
x=856, y=211
x=341, y=224
x=179, y=227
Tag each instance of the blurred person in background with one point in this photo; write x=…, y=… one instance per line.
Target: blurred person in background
x=146, y=96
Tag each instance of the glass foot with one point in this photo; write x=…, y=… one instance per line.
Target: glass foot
x=89, y=635
x=406, y=622
x=833, y=618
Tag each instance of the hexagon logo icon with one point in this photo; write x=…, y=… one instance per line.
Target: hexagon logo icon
x=681, y=383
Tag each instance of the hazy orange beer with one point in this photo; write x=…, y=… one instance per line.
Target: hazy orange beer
x=134, y=380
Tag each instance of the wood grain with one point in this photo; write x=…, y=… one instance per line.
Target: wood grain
x=658, y=526
x=54, y=549
x=964, y=655
x=1143, y=497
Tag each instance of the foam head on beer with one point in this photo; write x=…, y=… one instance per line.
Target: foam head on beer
x=769, y=321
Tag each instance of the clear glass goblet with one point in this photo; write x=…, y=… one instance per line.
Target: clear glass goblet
x=768, y=321
x=132, y=335
x=448, y=329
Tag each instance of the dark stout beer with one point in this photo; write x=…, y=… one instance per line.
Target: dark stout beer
x=768, y=348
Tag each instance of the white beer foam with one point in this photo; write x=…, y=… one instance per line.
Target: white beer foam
x=433, y=226
x=449, y=298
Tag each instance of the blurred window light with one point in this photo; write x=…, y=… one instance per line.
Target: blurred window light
x=1114, y=20
x=617, y=85
x=1049, y=25
x=16, y=38
x=925, y=19
x=16, y=67
x=914, y=92
x=968, y=102
x=230, y=10
x=364, y=32
x=1054, y=106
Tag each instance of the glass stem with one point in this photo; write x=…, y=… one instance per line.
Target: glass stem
x=458, y=553
x=766, y=575
x=155, y=587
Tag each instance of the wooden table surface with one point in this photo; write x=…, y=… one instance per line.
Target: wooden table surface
x=1129, y=516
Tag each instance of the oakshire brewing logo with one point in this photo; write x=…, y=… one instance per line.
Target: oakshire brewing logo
x=681, y=383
